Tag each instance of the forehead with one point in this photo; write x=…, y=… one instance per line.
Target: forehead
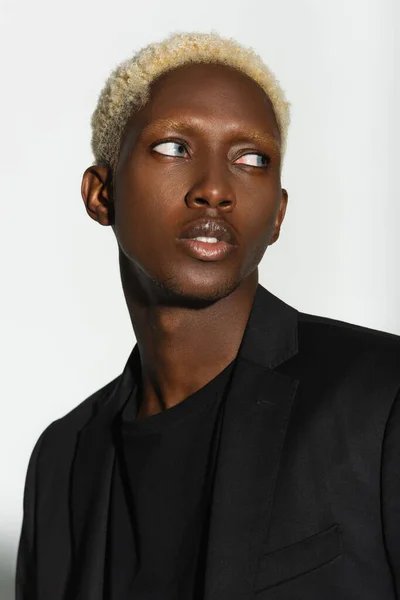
x=210, y=93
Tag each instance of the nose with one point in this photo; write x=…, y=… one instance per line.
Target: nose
x=213, y=189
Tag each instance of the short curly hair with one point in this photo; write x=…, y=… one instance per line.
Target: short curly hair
x=127, y=88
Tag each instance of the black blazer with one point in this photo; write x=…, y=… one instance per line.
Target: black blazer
x=306, y=503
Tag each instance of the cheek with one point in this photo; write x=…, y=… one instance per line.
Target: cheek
x=260, y=220
x=262, y=213
x=145, y=205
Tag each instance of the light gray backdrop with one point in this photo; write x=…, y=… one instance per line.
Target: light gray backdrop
x=65, y=330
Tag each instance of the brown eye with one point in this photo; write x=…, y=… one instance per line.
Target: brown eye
x=170, y=149
x=254, y=159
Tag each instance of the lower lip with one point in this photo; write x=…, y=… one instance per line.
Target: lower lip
x=206, y=250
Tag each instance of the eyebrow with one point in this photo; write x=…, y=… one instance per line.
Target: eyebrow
x=183, y=125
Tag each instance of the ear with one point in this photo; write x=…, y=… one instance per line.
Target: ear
x=280, y=216
x=96, y=194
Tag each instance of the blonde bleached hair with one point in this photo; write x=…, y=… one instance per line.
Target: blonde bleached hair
x=127, y=88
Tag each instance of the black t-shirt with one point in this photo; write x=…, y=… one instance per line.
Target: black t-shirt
x=160, y=497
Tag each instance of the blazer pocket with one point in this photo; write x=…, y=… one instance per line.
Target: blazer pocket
x=299, y=558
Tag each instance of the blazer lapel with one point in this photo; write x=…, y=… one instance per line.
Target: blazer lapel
x=91, y=486
x=257, y=409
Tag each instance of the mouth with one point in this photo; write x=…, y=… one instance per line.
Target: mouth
x=210, y=250
x=208, y=228
x=208, y=239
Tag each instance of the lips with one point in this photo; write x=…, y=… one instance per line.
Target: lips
x=209, y=228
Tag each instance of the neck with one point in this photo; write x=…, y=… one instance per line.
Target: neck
x=183, y=348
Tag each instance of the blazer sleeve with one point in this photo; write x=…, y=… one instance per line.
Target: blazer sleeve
x=390, y=492
x=25, y=577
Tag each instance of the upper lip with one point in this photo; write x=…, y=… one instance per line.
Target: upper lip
x=209, y=228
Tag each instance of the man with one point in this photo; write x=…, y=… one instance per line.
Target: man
x=247, y=450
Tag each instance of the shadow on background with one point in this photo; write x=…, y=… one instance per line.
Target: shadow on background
x=7, y=575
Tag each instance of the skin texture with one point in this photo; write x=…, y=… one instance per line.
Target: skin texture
x=189, y=315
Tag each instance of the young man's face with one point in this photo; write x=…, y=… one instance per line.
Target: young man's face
x=196, y=151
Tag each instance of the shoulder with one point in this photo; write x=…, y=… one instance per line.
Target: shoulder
x=341, y=341
x=350, y=370
x=51, y=458
x=323, y=323
x=82, y=413
x=353, y=367
x=63, y=432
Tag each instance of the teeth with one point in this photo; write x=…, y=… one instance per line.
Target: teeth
x=211, y=240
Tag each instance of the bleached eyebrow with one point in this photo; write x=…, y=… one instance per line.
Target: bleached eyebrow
x=240, y=134
x=183, y=125
x=264, y=138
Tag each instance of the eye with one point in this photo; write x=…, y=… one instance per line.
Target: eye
x=170, y=148
x=254, y=159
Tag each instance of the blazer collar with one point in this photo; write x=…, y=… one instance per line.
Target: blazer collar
x=270, y=337
x=257, y=407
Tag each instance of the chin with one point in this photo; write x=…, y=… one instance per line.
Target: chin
x=199, y=291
